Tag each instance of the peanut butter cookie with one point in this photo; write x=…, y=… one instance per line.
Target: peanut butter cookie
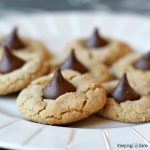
x=21, y=61
x=98, y=49
x=61, y=98
x=124, y=103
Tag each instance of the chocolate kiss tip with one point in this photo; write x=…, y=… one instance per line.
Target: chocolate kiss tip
x=143, y=63
x=124, y=91
x=96, y=32
x=95, y=40
x=9, y=61
x=73, y=63
x=58, y=86
x=13, y=41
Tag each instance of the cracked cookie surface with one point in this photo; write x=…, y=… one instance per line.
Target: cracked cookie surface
x=36, y=64
x=129, y=111
x=67, y=108
x=107, y=54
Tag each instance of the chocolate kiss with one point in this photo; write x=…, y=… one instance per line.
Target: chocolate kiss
x=13, y=41
x=9, y=61
x=143, y=63
x=124, y=91
x=58, y=86
x=96, y=41
x=73, y=63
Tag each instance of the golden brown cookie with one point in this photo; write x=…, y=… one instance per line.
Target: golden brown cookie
x=99, y=71
x=125, y=103
x=98, y=49
x=35, y=60
x=86, y=98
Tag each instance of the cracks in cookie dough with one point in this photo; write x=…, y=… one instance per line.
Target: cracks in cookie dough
x=63, y=113
x=38, y=113
x=72, y=77
x=39, y=110
x=70, y=110
x=84, y=104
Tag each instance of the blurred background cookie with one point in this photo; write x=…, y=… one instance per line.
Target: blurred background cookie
x=21, y=61
x=98, y=49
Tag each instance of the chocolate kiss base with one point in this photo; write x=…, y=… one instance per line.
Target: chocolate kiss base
x=124, y=91
x=58, y=86
x=9, y=62
x=95, y=41
x=13, y=41
x=73, y=63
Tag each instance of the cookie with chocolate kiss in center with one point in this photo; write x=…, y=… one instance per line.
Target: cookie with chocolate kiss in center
x=99, y=71
x=98, y=49
x=23, y=60
x=68, y=97
x=124, y=103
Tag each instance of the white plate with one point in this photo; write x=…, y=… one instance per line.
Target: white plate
x=56, y=30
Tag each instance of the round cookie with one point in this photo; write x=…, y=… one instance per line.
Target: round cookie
x=107, y=52
x=98, y=70
x=135, y=108
x=69, y=107
x=36, y=63
x=138, y=78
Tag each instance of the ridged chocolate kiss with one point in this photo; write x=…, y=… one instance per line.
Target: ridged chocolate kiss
x=124, y=91
x=95, y=40
x=73, y=63
x=9, y=61
x=13, y=41
x=58, y=86
x=143, y=63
